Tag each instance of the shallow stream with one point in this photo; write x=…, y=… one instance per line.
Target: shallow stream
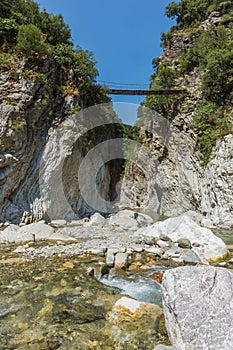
x=54, y=303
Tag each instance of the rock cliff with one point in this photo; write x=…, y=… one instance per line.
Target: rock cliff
x=190, y=171
x=36, y=139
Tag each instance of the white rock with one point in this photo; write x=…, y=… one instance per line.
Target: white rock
x=130, y=220
x=127, y=310
x=10, y=234
x=41, y=231
x=211, y=246
x=162, y=244
x=198, y=307
x=121, y=260
x=154, y=250
x=58, y=223
x=110, y=257
x=20, y=249
x=96, y=219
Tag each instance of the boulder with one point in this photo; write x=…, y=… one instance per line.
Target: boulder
x=96, y=219
x=127, y=310
x=130, y=220
x=198, y=307
x=11, y=234
x=36, y=230
x=204, y=243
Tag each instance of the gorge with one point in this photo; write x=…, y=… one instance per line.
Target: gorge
x=93, y=211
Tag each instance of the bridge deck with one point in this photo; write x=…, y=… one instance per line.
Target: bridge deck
x=144, y=92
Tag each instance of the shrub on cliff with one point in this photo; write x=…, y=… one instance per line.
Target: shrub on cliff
x=30, y=41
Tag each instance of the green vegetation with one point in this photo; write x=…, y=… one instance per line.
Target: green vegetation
x=40, y=36
x=188, y=12
x=209, y=53
x=164, y=77
x=30, y=41
x=210, y=123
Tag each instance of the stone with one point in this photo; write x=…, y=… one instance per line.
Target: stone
x=20, y=249
x=130, y=220
x=184, y=243
x=154, y=250
x=163, y=244
x=149, y=240
x=68, y=265
x=190, y=256
x=198, y=307
x=164, y=237
x=110, y=257
x=58, y=223
x=210, y=246
x=127, y=310
x=137, y=247
x=157, y=276
x=96, y=219
x=10, y=234
x=37, y=230
x=121, y=261
x=98, y=251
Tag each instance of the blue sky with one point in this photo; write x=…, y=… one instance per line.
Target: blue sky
x=124, y=36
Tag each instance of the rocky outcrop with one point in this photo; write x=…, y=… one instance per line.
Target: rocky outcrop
x=217, y=185
x=175, y=179
x=170, y=182
x=198, y=306
x=39, y=149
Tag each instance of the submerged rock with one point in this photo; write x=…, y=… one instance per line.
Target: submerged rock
x=198, y=307
x=127, y=310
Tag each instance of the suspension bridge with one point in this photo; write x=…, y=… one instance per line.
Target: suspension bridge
x=136, y=89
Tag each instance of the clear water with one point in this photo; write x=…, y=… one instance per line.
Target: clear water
x=52, y=303
x=139, y=287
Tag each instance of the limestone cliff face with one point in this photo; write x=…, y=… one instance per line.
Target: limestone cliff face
x=177, y=180
x=217, y=184
x=35, y=102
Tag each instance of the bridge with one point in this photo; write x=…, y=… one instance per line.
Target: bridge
x=133, y=89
